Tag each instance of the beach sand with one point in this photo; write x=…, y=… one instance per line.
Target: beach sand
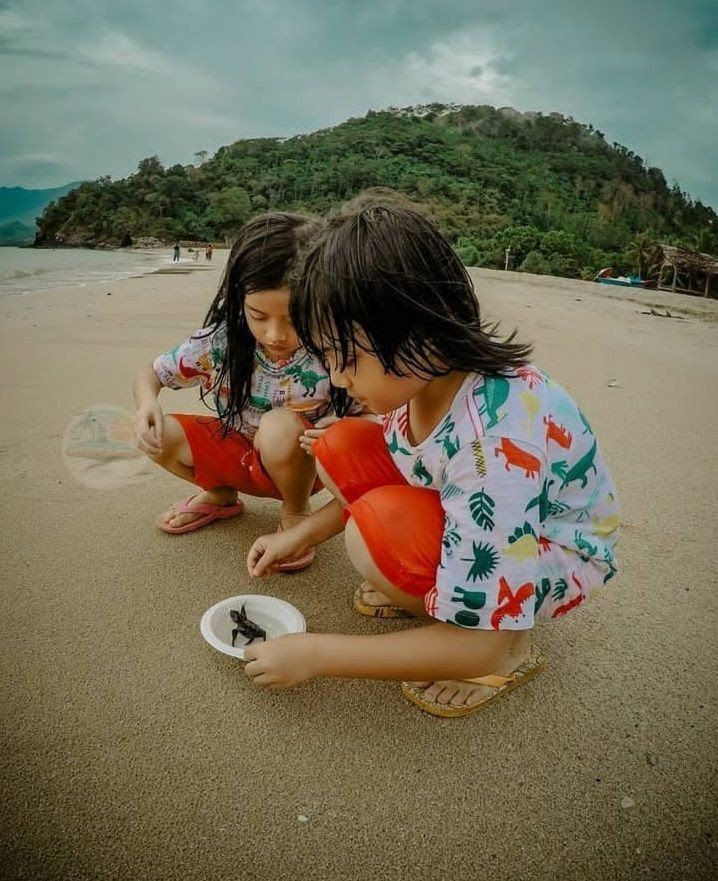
x=132, y=750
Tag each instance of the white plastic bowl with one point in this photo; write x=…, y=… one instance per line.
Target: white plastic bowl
x=275, y=616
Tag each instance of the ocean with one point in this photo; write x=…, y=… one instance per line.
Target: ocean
x=23, y=270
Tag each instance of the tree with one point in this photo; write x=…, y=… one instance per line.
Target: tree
x=705, y=241
x=536, y=262
x=468, y=252
x=644, y=255
x=228, y=210
x=150, y=167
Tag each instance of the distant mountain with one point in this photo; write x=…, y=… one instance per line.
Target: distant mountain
x=16, y=233
x=552, y=192
x=24, y=205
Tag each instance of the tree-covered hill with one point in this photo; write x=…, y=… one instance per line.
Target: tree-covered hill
x=553, y=190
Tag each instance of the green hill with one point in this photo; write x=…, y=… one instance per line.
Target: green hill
x=553, y=190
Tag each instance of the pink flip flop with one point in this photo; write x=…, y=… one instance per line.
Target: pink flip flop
x=209, y=513
x=299, y=563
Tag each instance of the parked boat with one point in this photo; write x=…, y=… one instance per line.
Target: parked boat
x=627, y=281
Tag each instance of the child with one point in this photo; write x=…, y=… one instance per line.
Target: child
x=266, y=388
x=482, y=506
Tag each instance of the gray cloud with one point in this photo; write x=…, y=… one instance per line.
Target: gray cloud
x=98, y=85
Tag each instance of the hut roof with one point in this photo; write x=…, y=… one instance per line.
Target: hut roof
x=694, y=260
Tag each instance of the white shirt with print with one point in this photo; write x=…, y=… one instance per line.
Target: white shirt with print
x=531, y=514
x=299, y=383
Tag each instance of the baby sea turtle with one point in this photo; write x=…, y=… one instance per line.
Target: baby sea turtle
x=246, y=627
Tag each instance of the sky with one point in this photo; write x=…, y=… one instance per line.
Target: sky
x=90, y=87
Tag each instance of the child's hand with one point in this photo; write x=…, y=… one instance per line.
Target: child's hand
x=268, y=551
x=148, y=427
x=311, y=434
x=281, y=662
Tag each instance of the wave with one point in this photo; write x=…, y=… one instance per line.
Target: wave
x=23, y=273
x=25, y=270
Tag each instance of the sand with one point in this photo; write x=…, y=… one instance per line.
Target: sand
x=132, y=750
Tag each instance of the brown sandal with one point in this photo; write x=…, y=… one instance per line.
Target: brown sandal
x=530, y=668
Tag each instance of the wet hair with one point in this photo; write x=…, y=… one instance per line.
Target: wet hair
x=382, y=278
x=380, y=197
x=262, y=258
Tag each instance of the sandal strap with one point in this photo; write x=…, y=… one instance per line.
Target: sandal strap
x=204, y=508
x=492, y=680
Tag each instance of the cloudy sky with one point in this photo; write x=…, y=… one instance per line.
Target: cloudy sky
x=89, y=87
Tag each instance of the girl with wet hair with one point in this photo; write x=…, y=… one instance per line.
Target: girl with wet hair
x=481, y=504
x=264, y=386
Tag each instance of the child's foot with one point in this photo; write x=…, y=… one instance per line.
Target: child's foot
x=224, y=496
x=453, y=693
x=461, y=695
x=374, y=604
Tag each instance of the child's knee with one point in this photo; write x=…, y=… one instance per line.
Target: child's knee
x=278, y=434
x=175, y=446
x=279, y=423
x=345, y=435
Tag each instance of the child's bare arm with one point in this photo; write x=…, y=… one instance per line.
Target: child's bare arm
x=434, y=652
x=146, y=385
x=148, y=418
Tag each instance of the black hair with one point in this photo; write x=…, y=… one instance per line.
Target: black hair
x=385, y=274
x=262, y=258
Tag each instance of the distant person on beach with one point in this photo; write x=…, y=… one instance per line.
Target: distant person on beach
x=265, y=388
x=208, y=251
x=480, y=506
x=176, y=253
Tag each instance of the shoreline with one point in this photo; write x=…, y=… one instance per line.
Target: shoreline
x=140, y=262
x=702, y=308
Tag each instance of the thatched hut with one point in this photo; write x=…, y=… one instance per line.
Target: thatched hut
x=691, y=269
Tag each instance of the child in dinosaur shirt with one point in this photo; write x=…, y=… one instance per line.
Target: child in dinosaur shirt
x=265, y=388
x=481, y=506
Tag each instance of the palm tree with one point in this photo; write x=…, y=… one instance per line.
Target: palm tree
x=644, y=253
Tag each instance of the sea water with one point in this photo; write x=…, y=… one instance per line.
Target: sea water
x=23, y=270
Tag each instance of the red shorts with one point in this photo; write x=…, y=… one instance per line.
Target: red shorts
x=227, y=461
x=402, y=525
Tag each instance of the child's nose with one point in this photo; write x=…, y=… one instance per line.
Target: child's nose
x=276, y=335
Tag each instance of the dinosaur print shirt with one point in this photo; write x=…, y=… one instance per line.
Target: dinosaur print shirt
x=530, y=509
x=300, y=383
